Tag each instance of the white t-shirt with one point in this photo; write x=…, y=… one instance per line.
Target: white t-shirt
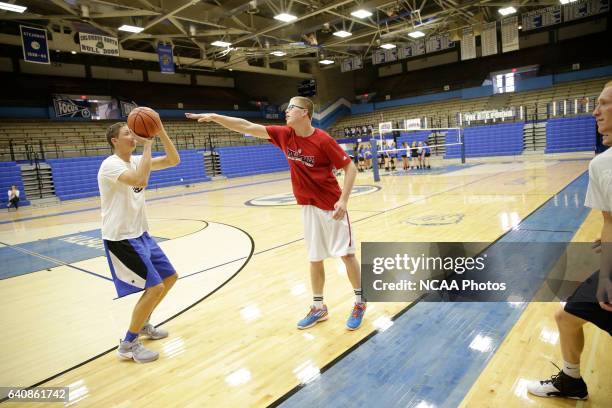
x=123, y=206
x=599, y=191
x=10, y=193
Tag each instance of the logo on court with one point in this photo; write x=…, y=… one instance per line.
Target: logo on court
x=435, y=220
x=289, y=199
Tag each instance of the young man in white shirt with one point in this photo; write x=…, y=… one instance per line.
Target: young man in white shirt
x=135, y=260
x=592, y=301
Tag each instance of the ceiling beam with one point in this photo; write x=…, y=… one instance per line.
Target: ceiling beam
x=163, y=17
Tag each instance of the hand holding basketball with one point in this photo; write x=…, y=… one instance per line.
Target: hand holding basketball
x=144, y=122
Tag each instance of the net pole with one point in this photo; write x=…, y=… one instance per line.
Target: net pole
x=374, y=150
x=462, y=140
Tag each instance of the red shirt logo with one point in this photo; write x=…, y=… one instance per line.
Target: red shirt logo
x=298, y=156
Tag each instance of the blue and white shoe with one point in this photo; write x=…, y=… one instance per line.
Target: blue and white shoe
x=313, y=317
x=356, y=317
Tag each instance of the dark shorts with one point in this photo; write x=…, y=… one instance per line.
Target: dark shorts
x=414, y=153
x=583, y=304
x=137, y=264
x=427, y=154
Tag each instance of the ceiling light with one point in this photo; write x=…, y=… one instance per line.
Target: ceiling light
x=507, y=11
x=568, y=1
x=342, y=34
x=416, y=34
x=73, y=52
x=12, y=7
x=285, y=17
x=361, y=13
x=221, y=44
x=326, y=62
x=130, y=28
x=278, y=53
x=387, y=46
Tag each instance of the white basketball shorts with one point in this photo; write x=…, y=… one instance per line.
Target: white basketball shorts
x=324, y=236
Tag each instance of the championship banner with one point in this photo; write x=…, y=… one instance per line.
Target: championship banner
x=126, y=108
x=468, y=44
x=541, y=18
x=99, y=44
x=166, y=63
x=437, y=43
x=585, y=8
x=510, y=37
x=34, y=44
x=411, y=124
x=391, y=55
x=488, y=39
x=489, y=115
x=66, y=107
x=379, y=57
x=351, y=64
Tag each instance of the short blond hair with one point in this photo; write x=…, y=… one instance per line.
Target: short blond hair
x=307, y=104
x=608, y=84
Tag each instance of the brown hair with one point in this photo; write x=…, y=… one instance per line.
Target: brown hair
x=113, y=131
x=307, y=104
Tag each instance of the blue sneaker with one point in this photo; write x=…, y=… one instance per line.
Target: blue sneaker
x=354, y=320
x=313, y=317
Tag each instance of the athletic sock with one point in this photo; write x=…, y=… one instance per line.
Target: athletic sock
x=358, y=297
x=317, y=301
x=573, y=370
x=130, y=337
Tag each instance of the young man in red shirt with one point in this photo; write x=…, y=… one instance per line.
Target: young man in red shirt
x=312, y=154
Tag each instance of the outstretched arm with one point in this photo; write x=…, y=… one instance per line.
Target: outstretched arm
x=235, y=124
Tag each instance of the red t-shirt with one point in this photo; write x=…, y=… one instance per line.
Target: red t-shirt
x=311, y=160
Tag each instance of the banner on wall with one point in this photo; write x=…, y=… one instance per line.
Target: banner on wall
x=411, y=124
x=488, y=39
x=383, y=56
x=437, y=43
x=66, y=107
x=510, y=36
x=585, y=8
x=127, y=107
x=34, y=44
x=468, y=44
x=352, y=64
x=489, y=115
x=99, y=44
x=541, y=18
x=166, y=62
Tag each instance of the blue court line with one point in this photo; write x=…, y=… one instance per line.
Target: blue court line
x=433, y=354
x=53, y=260
x=37, y=217
x=33, y=256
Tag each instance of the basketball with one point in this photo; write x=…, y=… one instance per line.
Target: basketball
x=144, y=122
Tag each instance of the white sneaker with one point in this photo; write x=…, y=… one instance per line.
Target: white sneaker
x=152, y=332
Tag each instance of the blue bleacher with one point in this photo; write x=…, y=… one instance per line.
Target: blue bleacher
x=78, y=177
x=575, y=134
x=10, y=173
x=492, y=140
x=249, y=160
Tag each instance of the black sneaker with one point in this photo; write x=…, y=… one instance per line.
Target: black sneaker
x=560, y=385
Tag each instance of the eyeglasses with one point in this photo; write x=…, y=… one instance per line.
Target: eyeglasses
x=293, y=106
